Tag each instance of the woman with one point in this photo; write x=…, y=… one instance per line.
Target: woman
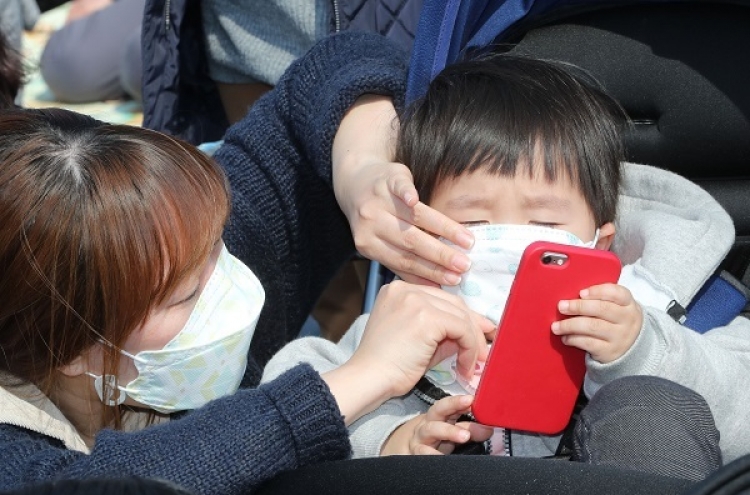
x=122, y=303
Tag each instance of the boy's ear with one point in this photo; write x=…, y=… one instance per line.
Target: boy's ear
x=606, y=236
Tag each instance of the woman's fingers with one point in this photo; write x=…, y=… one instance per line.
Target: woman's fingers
x=411, y=252
x=411, y=327
x=402, y=186
x=440, y=225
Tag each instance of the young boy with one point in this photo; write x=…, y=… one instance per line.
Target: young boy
x=532, y=148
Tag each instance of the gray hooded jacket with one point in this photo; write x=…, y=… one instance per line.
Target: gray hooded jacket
x=671, y=237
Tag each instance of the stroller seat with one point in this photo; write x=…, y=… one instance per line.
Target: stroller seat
x=680, y=69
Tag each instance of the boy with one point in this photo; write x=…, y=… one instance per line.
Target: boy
x=534, y=146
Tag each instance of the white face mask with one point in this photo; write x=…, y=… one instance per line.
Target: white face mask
x=494, y=258
x=208, y=356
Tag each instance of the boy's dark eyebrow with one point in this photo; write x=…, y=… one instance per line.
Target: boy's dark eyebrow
x=549, y=201
x=469, y=201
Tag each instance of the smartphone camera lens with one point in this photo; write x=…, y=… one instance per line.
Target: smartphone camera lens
x=557, y=259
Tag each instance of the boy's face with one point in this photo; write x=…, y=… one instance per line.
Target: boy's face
x=519, y=200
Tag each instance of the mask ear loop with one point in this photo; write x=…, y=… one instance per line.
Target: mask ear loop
x=592, y=244
x=111, y=380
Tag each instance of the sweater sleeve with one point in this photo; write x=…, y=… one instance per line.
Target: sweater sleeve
x=285, y=223
x=368, y=433
x=229, y=446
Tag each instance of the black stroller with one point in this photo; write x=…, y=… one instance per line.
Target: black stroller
x=681, y=69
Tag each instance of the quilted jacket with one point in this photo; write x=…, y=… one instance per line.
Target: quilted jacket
x=180, y=98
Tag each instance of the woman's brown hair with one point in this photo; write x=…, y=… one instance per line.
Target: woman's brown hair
x=98, y=224
x=11, y=73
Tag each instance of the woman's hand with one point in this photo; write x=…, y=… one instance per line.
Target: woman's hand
x=605, y=321
x=411, y=328
x=378, y=197
x=436, y=432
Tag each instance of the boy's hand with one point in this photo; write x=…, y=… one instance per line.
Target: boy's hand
x=604, y=322
x=436, y=432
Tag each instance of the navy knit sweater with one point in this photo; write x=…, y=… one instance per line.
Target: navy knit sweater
x=286, y=226
x=285, y=223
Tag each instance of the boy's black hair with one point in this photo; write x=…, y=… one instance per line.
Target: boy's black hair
x=500, y=111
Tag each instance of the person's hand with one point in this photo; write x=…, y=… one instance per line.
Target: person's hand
x=437, y=432
x=411, y=328
x=604, y=322
x=83, y=8
x=378, y=197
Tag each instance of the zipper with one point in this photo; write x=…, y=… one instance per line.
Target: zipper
x=167, y=13
x=336, y=17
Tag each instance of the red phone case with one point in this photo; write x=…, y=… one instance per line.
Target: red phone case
x=531, y=379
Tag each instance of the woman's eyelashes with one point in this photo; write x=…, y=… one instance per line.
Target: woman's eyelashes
x=189, y=298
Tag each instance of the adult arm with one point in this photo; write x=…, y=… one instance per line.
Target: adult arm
x=83, y=61
x=369, y=432
x=229, y=446
x=285, y=223
x=411, y=329
x=233, y=443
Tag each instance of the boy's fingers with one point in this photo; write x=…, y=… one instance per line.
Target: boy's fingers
x=422, y=449
x=477, y=432
x=449, y=408
x=608, y=292
x=434, y=432
x=591, y=327
x=586, y=343
x=593, y=308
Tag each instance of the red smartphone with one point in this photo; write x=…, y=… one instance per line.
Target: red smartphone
x=531, y=379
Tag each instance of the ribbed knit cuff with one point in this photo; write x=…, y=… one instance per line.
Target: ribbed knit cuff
x=314, y=419
x=643, y=357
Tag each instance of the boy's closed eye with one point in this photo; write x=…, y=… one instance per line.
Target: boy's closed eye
x=550, y=225
x=474, y=223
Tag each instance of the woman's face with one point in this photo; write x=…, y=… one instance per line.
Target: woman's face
x=168, y=318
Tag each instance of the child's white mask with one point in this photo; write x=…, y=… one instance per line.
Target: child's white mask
x=208, y=356
x=494, y=258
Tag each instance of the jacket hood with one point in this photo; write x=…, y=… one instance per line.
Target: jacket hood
x=671, y=235
x=26, y=406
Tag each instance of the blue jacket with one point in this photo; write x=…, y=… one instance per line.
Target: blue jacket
x=179, y=97
x=450, y=29
x=285, y=224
